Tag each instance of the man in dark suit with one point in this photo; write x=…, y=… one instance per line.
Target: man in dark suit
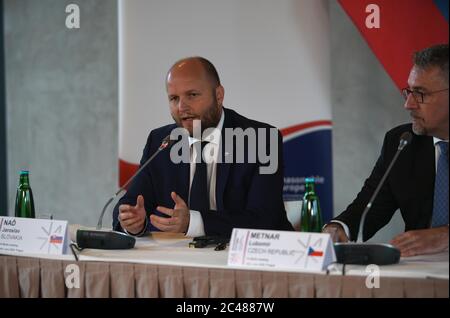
x=418, y=182
x=197, y=197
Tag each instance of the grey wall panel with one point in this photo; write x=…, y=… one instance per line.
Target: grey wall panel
x=366, y=104
x=3, y=173
x=62, y=105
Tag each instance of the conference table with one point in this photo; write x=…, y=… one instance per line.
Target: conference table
x=163, y=265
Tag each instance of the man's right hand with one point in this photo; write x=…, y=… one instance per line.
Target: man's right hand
x=132, y=218
x=336, y=231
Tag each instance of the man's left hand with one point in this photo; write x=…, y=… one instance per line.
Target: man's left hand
x=178, y=222
x=418, y=242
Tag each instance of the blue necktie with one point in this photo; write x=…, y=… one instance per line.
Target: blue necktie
x=440, y=201
x=199, y=196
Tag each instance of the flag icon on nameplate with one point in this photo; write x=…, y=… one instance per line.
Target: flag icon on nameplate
x=312, y=252
x=56, y=239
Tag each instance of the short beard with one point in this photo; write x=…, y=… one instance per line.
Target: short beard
x=208, y=120
x=419, y=130
x=212, y=117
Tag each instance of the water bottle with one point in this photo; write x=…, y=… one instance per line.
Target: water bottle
x=311, y=216
x=24, y=197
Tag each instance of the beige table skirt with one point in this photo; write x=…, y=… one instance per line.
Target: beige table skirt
x=34, y=277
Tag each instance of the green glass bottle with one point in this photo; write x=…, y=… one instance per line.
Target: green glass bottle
x=24, y=197
x=311, y=216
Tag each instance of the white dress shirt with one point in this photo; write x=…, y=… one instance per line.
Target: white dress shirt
x=210, y=153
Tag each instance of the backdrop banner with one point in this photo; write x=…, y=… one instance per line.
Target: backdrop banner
x=277, y=73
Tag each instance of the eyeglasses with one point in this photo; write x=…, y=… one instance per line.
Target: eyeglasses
x=419, y=96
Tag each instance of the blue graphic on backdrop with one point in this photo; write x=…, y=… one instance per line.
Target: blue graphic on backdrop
x=309, y=155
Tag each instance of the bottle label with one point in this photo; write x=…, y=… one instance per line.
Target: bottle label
x=37, y=236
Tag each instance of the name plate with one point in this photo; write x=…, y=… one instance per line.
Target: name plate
x=281, y=250
x=37, y=236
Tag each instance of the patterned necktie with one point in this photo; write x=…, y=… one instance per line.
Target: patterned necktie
x=199, y=196
x=440, y=201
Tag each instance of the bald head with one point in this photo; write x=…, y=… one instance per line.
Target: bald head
x=194, y=93
x=195, y=66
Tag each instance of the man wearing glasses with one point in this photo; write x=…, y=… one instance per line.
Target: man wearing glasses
x=418, y=183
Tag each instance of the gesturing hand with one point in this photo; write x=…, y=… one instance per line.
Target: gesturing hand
x=132, y=218
x=178, y=222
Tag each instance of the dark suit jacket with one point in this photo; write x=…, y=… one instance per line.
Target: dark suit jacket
x=409, y=186
x=245, y=198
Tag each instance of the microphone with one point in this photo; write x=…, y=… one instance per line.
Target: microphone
x=111, y=240
x=379, y=254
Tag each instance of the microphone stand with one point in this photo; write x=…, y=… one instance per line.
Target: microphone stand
x=379, y=254
x=166, y=142
x=402, y=145
x=112, y=239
